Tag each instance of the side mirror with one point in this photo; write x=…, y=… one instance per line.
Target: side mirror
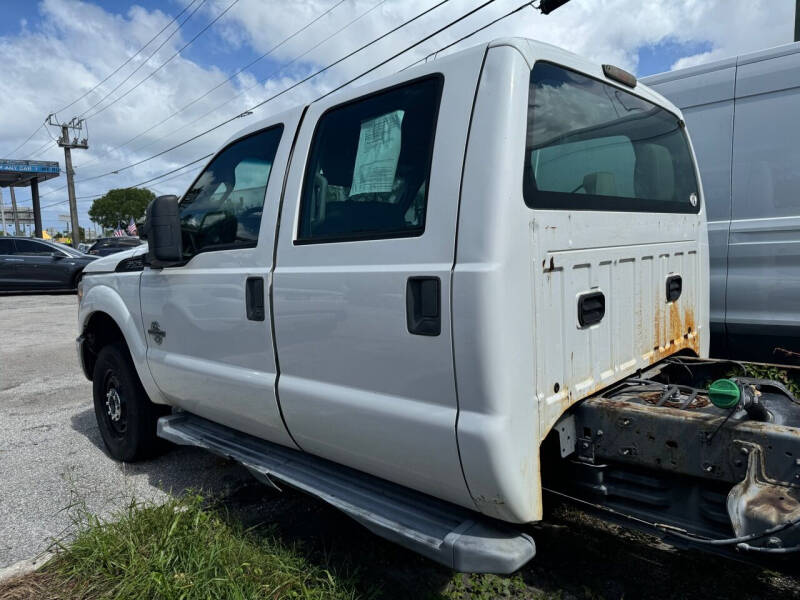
x=162, y=230
x=56, y=254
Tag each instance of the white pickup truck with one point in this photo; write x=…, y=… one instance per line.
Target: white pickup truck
x=431, y=299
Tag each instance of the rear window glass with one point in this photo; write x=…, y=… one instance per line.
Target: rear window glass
x=593, y=146
x=33, y=248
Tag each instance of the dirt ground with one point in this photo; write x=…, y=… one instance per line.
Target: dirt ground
x=578, y=556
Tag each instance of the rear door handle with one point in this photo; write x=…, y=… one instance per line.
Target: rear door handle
x=591, y=308
x=424, y=306
x=674, y=287
x=254, y=292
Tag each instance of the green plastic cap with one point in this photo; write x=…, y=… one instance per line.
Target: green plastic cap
x=724, y=393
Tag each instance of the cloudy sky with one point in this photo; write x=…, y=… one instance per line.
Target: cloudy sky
x=190, y=77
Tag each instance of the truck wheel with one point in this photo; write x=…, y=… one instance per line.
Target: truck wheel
x=125, y=415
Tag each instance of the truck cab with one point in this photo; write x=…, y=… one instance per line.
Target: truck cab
x=412, y=281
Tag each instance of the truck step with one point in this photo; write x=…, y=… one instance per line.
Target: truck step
x=448, y=534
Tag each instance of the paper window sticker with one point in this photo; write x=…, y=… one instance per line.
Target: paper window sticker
x=379, y=144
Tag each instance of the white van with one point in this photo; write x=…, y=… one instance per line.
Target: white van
x=744, y=115
x=392, y=297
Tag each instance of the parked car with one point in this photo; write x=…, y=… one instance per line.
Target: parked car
x=31, y=264
x=744, y=116
x=111, y=245
x=436, y=298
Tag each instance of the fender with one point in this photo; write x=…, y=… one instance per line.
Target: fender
x=105, y=298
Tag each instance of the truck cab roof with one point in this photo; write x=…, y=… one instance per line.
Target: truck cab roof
x=532, y=50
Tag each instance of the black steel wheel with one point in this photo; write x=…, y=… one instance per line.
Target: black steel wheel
x=125, y=415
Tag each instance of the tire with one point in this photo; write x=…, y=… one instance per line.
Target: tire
x=125, y=415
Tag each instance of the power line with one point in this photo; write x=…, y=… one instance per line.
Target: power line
x=162, y=65
x=157, y=177
x=272, y=74
x=470, y=34
x=362, y=15
x=242, y=69
x=147, y=60
x=331, y=65
x=30, y=137
x=190, y=171
x=291, y=87
x=46, y=146
x=130, y=58
x=414, y=45
x=382, y=63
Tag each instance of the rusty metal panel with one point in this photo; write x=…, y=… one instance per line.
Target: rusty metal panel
x=639, y=327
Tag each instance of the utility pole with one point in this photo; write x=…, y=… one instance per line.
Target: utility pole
x=14, y=211
x=797, y=21
x=64, y=141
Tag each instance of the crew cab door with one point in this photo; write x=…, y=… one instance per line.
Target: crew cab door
x=207, y=325
x=362, y=279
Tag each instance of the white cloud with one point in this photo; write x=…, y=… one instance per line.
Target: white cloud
x=697, y=59
x=75, y=44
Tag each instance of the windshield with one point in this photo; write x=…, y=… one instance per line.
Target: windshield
x=593, y=146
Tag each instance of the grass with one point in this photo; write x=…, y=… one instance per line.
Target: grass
x=266, y=545
x=181, y=550
x=787, y=377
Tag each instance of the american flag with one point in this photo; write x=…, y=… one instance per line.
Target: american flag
x=131, y=228
x=118, y=232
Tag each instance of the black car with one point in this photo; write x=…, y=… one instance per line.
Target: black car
x=30, y=264
x=111, y=245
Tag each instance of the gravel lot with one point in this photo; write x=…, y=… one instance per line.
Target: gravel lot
x=51, y=453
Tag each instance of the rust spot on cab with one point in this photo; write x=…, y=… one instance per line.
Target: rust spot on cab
x=673, y=331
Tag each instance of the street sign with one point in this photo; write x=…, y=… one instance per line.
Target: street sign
x=25, y=215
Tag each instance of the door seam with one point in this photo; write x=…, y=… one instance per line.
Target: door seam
x=452, y=276
x=272, y=277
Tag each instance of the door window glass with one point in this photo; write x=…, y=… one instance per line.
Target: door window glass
x=368, y=170
x=223, y=207
x=593, y=146
x=31, y=248
x=6, y=246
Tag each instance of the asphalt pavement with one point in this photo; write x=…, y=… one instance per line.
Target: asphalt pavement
x=51, y=453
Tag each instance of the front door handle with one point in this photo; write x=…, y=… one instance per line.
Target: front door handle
x=424, y=306
x=254, y=292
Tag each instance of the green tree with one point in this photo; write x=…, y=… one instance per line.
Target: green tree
x=117, y=207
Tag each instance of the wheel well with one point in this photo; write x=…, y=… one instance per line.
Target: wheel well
x=100, y=331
